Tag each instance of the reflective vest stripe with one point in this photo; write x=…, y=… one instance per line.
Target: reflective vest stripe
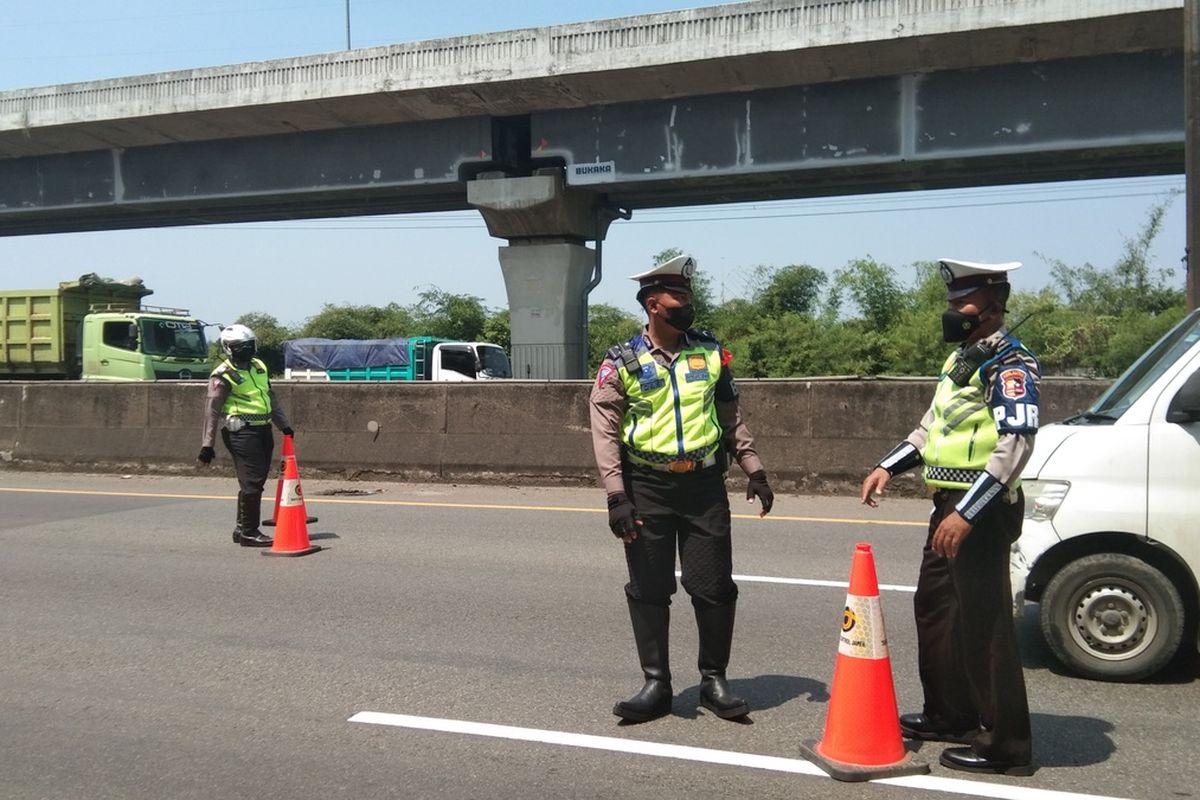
x=678, y=415
x=965, y=414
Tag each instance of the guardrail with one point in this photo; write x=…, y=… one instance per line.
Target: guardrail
x=813, y=435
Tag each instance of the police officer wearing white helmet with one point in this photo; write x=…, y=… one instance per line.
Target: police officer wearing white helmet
x=971, y=445
x=241, y=402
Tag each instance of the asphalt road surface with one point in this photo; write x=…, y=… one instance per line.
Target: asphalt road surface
x=469, y=642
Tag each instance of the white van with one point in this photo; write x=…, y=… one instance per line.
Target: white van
x=1111, y=543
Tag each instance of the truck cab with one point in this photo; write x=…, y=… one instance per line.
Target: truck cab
x=151, y=343
x=468, y=361
x=1110, y=545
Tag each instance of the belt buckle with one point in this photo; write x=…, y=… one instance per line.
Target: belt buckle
x=681, y=466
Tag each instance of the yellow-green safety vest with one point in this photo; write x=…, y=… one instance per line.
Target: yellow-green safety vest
x=963, y=433
x=249, y=391
x=671, y=412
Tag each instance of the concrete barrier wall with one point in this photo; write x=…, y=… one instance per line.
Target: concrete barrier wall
x=813, y=435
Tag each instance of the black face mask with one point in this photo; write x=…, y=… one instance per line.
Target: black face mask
x=681, y=317
x=240, y=355
x=957, y=326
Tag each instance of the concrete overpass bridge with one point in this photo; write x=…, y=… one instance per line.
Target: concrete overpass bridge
x=553, y=133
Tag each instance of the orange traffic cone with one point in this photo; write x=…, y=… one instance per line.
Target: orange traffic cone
x=291, y=532
x=862, y=728
x=289, y=449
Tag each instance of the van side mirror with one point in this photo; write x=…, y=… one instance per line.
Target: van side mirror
x=1185, y=405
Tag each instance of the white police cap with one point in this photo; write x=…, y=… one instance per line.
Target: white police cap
x=677, y=272
x=963, y=277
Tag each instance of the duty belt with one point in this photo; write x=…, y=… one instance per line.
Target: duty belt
x=952, y=475
x=235, y=422
x=695, y=460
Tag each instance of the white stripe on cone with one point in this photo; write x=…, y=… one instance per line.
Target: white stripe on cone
x=291, y=494
x=862, y=634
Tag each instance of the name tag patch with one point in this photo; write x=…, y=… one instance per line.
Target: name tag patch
x=697, y=366
x=649, y=378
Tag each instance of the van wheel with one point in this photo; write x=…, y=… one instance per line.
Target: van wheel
x=1112, y=617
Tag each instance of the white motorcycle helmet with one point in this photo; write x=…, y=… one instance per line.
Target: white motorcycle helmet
x=239, y=344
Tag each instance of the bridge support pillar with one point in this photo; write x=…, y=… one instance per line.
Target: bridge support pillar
x=547, y=266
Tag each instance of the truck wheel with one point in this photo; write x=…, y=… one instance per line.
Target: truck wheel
x=1112, y=617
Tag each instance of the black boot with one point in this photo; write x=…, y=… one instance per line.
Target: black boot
x=237, y=529
x=715, y=624
x=651, y=627
x=250, y=511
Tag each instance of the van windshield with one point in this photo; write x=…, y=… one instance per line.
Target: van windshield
x=1147, y=369
x=172, y=337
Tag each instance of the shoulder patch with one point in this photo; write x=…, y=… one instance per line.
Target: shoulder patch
x=607, y=370
x=1013, y=383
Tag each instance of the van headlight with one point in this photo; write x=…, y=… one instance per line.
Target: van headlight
x=1043, y=498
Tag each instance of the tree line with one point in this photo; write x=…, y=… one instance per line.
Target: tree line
x=798, y=320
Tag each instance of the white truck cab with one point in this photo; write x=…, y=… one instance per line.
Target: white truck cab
x=1111, y=541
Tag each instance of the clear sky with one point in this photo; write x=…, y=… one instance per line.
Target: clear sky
x=290, y=269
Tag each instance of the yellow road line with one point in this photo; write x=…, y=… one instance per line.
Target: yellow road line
x=428, y=504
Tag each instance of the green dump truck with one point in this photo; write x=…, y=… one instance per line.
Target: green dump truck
x=98, y=330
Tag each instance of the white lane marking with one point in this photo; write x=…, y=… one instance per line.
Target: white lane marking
x=931, y=783
x=590, y=742
x=883, y=587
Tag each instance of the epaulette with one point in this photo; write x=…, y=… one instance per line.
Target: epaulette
x=1012, y=352
x=703, y=334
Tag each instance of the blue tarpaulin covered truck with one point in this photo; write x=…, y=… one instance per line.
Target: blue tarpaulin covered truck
x=414, y=358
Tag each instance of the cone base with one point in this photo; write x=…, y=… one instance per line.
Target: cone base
x=312, y=549
x=842, y=771
x=271, y=523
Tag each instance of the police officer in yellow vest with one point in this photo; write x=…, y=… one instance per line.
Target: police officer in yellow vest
x=972, y=444
x=664, y=417
x=241, y=402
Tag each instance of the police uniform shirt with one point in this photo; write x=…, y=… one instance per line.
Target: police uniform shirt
x=1013, y=449
x=218, y=392
x=608, y=404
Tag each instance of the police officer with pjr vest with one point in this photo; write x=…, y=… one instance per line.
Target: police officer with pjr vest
x=664, y=417
x=242, y=404
x=972, y=444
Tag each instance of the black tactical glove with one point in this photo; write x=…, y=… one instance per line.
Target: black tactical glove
x=207, y=454
x=287, y=431
x=758, y=486
x=623, y=518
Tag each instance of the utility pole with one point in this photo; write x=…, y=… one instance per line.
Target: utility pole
x=1191, y=144
x=348, y=25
